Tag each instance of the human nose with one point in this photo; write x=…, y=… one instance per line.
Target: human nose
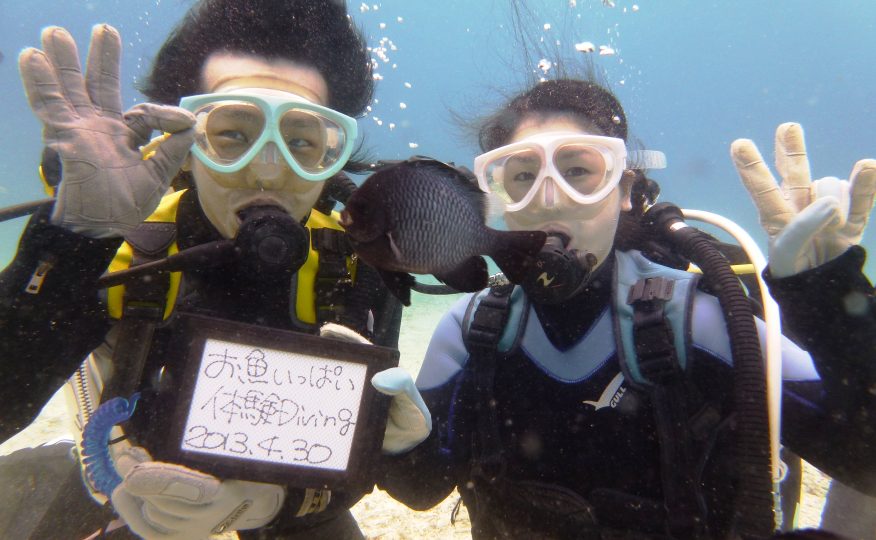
x=549, y=192
x=267, y=168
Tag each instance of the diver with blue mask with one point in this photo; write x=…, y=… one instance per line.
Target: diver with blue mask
x=267, y=91
x=600, y=398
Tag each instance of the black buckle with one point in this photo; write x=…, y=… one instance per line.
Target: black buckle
x=652, y=335
x=655, y=348
x=333, y=279
x=330, y=240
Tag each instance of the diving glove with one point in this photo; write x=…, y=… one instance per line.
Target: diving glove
x=409, y=420
x=808, y=222
x=163, y=500
x=107, y=187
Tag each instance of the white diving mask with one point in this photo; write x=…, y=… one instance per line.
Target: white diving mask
x=585, y=167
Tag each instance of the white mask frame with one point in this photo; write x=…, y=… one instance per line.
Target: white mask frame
x=545, y=145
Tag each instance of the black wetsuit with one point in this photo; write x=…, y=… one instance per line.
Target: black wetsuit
x=576, y=436
x=44, y=337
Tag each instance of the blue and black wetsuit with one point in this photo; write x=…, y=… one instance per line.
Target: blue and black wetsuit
x=574, y=435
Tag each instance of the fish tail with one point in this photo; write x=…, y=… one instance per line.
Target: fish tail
x=513, y=251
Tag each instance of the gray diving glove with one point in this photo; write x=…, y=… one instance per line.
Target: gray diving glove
x=172, y=502
x=107, y=187
x=409, y=419
x=809, y=222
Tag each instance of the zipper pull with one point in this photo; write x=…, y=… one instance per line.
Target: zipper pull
x=39, y=275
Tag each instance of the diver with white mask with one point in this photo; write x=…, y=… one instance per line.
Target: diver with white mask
x=601, y=397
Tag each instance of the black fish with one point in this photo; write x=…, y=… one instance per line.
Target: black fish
x=426, y=217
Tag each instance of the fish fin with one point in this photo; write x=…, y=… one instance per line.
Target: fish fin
x=495, y=206
x=395, y=250
x=515, y=250
x=470, y=276
x=399, y=284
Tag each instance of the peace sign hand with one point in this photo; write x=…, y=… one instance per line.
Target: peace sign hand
x=808, y=222
x=106, y=187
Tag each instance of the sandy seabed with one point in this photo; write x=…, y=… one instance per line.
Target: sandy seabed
x=380, y=516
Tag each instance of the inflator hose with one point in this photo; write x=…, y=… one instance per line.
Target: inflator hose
x=753, y=504
x=337, y=189
x=433, y=288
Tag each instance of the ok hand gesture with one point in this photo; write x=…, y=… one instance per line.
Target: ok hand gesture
x=107, y=187
x=808, y=222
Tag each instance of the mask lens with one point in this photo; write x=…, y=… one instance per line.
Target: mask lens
x=315, y=141
x=512, y=176
x=582, y=167
x=226, y=130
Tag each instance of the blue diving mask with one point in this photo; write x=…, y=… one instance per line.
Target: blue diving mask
x=233, y=128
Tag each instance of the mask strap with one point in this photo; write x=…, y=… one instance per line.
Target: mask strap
x=646, y=159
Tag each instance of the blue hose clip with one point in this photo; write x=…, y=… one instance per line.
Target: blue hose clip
x=99, y=466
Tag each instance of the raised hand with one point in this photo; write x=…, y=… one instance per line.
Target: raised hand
x=106, y=186
x=808, y=222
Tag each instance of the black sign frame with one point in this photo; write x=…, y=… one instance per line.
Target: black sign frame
x=369, y=428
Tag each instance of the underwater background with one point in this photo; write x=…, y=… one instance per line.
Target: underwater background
x=692, y=76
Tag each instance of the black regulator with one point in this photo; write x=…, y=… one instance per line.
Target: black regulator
x=557, y=273
x=269, y=243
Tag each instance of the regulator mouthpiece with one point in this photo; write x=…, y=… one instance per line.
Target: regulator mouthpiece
x=270, y=241
x=558, y=274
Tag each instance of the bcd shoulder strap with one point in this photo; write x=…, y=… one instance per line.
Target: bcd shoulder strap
x=333, y=279
x=485, y=323
x=654, y=358
x=142, y=309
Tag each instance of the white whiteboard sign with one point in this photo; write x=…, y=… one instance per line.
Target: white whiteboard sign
x=274, y=406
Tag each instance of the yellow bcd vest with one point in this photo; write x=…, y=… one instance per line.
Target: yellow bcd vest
x=305, y=304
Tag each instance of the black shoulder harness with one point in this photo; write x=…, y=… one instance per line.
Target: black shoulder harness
x=671, y=390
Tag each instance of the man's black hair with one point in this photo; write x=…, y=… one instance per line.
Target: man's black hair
x=317, y=33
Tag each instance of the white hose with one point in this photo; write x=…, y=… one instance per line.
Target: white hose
x=773, y=352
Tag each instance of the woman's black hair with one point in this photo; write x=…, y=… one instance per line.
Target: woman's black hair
x=317, y=33
x=584, y=99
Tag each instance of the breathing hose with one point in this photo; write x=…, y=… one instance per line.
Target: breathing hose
x=772, y=318
x=753, y=501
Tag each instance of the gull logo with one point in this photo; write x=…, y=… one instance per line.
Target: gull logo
x=611, y=395
x=545, y=281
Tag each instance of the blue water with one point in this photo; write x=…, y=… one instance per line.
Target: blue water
x=692, y=75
